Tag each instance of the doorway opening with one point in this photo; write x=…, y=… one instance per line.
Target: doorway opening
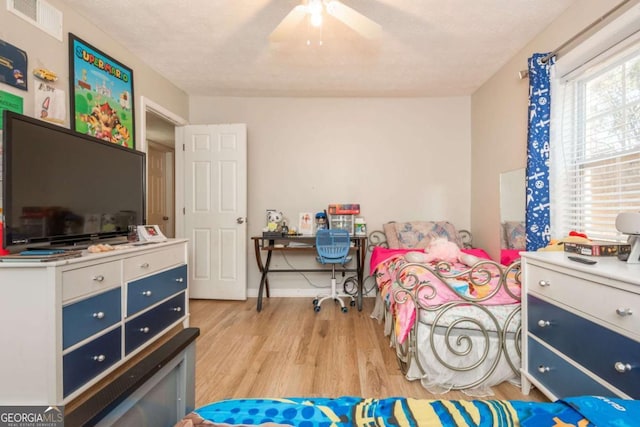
x=158, y=141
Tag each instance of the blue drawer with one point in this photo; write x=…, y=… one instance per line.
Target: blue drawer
x=559, y=376
x=593, y=346
x=146, y=326
x=86, y=362
x=82, y=319
x=149, y=290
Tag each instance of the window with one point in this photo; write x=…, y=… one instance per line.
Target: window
x=595, y=147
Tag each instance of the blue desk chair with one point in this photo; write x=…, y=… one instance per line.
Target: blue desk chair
x=333, y=248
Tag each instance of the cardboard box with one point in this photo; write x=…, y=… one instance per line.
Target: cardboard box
x=344, y=209
x=597, y=248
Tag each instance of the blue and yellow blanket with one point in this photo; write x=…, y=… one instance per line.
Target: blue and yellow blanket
x=585, y=411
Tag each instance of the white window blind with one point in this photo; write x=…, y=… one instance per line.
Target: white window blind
x=595, y=147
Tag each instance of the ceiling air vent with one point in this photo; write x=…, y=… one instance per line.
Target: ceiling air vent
x=39, y=13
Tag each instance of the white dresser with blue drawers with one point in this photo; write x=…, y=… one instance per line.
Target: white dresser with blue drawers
x=64, y=325
x=581, y=326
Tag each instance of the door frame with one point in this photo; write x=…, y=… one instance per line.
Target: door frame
x=150, y=106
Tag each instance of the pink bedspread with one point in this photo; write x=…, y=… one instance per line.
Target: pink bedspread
x=388, y=272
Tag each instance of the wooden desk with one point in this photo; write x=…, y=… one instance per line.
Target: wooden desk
x=288, y=244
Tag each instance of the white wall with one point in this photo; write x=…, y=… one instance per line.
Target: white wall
x=400, y=158
x=499, y=121
x=393, y=156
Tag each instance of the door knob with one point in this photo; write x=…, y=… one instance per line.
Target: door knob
x=165, y=218
x=240, y=220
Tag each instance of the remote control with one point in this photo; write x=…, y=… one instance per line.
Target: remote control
x=42, y=252
x=582, y=260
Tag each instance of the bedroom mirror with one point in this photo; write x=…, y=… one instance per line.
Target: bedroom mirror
x=512, y=213
x=512, y=195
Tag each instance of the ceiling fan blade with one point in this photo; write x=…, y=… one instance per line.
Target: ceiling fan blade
x=284, y=30
x=355, y=20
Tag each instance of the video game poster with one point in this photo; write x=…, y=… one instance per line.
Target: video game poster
x=101, y=94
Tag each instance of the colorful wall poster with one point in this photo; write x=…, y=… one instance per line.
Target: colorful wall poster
x=101, y=94
x=13, y=65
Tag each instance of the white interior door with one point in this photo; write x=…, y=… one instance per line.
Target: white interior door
x=215, y=208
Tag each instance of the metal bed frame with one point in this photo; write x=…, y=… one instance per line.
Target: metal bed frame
x=457, y=332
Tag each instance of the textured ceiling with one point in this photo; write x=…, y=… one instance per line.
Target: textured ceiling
x=222, y=47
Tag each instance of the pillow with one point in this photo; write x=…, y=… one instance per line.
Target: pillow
x=503, y=236
x=515, y=235
x=415, y=256
x=418, y=234
x=390, y=234
x=468, y=259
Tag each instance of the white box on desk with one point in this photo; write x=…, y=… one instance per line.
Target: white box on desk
x=343, y=222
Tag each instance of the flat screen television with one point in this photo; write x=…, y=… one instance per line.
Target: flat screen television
x=62, y=188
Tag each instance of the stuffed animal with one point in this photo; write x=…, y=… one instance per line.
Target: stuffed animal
x=274, y=220
x=558, y=244
x=442, y=249
x=108, y=222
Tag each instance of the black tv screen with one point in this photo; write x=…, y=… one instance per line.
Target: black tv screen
x=64, y=188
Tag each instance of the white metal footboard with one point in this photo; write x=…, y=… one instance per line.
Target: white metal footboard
x=461, y=343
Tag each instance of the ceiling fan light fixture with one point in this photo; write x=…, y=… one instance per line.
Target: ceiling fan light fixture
x=315, y=9
x=330, y=5
x=313, y=13
x=316, y=19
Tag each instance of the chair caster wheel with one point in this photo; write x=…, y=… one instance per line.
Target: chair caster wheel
x=315, y=302
x=352, y=303
x=344, y=309
x=316, y=308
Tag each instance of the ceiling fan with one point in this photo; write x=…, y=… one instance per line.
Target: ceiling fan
x=315, y=10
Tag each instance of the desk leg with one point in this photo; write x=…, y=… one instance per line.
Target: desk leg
x=263, y=280
x=360, y=267
x=257, y=243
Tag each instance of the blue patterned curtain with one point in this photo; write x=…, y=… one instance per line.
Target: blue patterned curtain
x=538, y=202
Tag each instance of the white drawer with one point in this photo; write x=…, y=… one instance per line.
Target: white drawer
x=90, y=279
x=151, y=262
x=614, y=306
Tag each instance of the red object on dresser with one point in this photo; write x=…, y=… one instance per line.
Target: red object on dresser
x=2, y=250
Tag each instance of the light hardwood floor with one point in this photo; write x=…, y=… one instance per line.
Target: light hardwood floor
x=289, y=350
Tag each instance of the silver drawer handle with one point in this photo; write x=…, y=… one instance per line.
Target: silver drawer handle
x=544, y=283
x=144, y=330
x=180, y=280
x=624, y=312
x=144, y=265
x=99, y=358
x=178, y=309
x=98, y=278
x=146, y=293
x=543, y=369
x=622, y=367
x=544, y=323
x=99, y=315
